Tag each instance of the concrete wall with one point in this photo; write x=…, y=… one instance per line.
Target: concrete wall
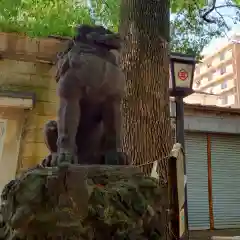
x=211, y=121
x=203, y=99
x=236, y=66
x=28, y=77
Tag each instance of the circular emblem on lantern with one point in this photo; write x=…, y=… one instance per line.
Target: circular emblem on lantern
x=183, y=75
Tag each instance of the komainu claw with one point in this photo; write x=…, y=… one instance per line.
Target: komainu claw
x=65, y=158
x=115, y=158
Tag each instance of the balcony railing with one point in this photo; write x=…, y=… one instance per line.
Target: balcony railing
x=213, y=68
x=215, y=80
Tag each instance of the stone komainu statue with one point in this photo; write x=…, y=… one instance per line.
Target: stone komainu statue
x=88, y=202
x=90, y=87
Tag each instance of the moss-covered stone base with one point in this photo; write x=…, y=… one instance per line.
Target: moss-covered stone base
x=83, y=202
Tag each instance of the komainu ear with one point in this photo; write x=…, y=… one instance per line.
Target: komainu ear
x=81, y=32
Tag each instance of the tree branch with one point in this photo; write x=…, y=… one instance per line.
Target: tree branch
x=214, y=7
x=221, y=16
x=225, y=24
x=211, y=9
x=223, y=6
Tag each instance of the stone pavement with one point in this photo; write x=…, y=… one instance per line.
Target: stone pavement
x=207, y=234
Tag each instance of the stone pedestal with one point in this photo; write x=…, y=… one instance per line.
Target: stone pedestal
x=83, y=202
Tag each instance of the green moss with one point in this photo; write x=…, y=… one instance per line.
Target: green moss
x=104, y=204
x=16, y=88
x=39, y=91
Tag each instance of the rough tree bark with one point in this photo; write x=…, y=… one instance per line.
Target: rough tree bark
x=147, y=134
x=145, y=59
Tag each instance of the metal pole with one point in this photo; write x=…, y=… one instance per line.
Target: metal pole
x=180, y=121
x=173, y=199
x=180, y=139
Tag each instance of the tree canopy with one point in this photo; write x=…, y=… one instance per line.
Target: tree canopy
x=193, y=23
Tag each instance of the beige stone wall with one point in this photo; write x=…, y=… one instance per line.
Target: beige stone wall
x=11, y=121
x=20, y=47
x=26, y=65
x=37, y=78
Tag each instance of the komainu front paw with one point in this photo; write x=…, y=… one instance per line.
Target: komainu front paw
x=115, y=158
x=65, y=158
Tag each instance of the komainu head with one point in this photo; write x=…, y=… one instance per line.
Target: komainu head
x=98, y=35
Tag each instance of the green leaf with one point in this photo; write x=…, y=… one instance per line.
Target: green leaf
x=189, y=33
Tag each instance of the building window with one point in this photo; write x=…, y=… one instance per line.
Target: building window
x=231, y=99
x=224, y=84
x=197, y=71
x=214, y=72
x=210, y=77
x=223, y=70
x=222, y=56
x=197, y=83
x=210, y=90
x=224, y=100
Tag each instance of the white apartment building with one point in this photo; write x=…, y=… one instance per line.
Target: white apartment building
x=218, y=74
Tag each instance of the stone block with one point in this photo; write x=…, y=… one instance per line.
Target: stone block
x=3, y=41
x=48, y=48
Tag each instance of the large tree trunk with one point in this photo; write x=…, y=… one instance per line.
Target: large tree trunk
x=147, y=134
x=145, y=59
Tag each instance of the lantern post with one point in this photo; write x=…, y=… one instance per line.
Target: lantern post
x=182, y=69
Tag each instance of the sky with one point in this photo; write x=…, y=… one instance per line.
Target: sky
x=229, y=14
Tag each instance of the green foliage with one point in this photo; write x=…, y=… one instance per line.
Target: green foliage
x=42, y=17
x=189, y=33
x=178, y=5
x=106, y=203
x=107, y=12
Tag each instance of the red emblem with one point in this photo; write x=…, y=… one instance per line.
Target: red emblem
x=183, y=75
